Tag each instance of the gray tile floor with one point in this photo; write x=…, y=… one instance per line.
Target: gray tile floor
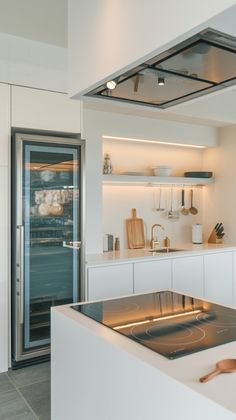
x=25, y=393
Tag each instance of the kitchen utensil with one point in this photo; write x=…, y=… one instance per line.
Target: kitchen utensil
x=183, y=210
x=224, y=366
x=199, y=174
x=172, y=214
x=135, y=232
x=220, y=231
x=159, y=206
x=218, y=227
x=193, y=210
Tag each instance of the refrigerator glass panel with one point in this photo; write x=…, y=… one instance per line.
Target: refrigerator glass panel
x=51, y=216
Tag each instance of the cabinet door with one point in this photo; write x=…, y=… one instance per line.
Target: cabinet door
x=44, y=110
x=218, y=271
x=109, y=281
x=151, y=276
x=234, y=279
x=188, y=275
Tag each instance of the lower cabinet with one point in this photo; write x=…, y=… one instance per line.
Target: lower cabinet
x=188, y=275
x=109, y=281
x=211, y=276
x=218, y=275
x=153, y=275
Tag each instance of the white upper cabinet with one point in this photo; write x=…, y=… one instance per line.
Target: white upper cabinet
x=188, y=275
x=218, y=270
x=44, y=110
x=4, y=124
x=151, y=276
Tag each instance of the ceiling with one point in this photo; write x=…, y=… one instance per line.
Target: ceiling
x=39, y=20
x=46, y=21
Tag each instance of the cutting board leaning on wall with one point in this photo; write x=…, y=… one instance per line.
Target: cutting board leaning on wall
x=135, y=232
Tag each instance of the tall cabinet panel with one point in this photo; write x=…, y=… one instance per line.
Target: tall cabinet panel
x=4, y=224
x=44, y=110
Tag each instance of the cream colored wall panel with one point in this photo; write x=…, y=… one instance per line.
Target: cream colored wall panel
x=4, y=268
x=4, y=123
x=44, y=110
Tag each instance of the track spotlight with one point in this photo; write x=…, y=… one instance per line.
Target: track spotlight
x=161, y=81
x=111, y=84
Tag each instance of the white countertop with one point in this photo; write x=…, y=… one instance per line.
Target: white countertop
x=135, y=255
x=186, y=370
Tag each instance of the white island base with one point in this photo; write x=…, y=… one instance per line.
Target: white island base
x=98, y=374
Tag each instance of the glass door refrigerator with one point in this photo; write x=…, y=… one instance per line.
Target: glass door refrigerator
x=46, y=237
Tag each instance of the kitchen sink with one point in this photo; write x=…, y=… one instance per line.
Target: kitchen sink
x=165, y=250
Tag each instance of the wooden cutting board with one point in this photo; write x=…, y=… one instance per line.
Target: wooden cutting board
x=135, y=232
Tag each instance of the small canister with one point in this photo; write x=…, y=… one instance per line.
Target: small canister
x=167, y=242
x=197, y=234
x=117, y=244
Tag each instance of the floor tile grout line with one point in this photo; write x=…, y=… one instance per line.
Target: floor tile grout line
x=25, y=401
x=31, y=383
x=35, y=383
x=28, y=405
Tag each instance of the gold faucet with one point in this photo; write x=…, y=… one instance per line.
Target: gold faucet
x=154, y=240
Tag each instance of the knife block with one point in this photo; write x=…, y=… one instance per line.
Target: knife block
x=213, y=238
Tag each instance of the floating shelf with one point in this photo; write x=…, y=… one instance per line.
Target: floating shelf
x=155, y=180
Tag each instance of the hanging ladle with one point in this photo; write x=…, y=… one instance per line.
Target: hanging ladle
x=183, y=210
x=159, y=206
x=224, y=366
x=193, y=210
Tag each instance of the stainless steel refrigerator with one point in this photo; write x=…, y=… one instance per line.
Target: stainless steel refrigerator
x=47, y=204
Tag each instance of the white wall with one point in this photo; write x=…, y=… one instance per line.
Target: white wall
x=96, y=124
x=119, y=200
x=220, y=198
x=30, y=63
x=106, y=36
x=4, y=224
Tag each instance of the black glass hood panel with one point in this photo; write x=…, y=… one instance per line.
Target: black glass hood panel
x=143, y=87
x=201, y=64
x=202, y=61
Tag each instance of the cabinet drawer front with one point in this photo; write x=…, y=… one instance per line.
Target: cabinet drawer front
x=188, y=275
x=110, y=281
x=218, y=270
x=154, y=275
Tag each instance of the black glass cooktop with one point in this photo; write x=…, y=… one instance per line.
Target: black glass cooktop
x=166, y=322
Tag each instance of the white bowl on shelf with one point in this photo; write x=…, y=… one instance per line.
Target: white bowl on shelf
x=162, y=170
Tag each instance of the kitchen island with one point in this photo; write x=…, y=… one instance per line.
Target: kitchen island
x=99, y=374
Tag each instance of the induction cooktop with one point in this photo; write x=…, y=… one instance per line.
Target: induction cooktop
x=166, y=322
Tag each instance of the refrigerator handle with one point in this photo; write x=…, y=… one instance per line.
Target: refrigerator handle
x=20, y=272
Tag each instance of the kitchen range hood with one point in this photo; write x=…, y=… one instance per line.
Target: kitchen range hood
x=197, y=66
